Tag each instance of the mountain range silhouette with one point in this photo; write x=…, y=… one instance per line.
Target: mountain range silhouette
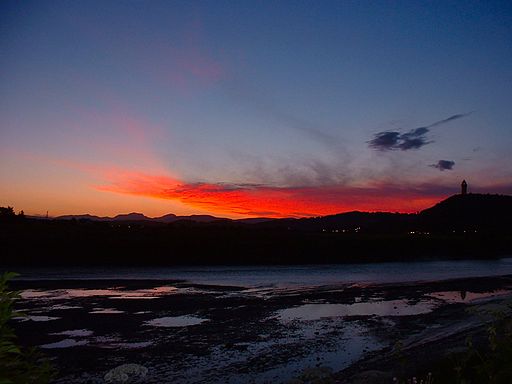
x=471, y=210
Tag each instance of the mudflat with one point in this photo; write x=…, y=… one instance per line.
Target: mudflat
x=193, y=333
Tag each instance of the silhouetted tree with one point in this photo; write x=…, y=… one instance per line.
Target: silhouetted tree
x=7, y=213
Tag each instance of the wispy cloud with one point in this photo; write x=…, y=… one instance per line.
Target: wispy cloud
x=291, y=170
x=413, y=139
x=243, y=91
x=444, y=165
x=448, y=119
x=193, y=61
x=183, y=61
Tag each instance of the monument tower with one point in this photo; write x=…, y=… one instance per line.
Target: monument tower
x=464, y=188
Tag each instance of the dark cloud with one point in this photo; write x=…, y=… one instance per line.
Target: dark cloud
x=413, y=139
x=389, y=140
x=385, y=140
x=444, y=165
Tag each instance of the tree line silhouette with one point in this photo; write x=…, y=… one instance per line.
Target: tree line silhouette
x=471, y=226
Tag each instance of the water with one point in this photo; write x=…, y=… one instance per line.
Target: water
x=111, y=293
x=175, y=321
x=75, y=333
x=286, y=276
x=66, y=343
x=309, y=312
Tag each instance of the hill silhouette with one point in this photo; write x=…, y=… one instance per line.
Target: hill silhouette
x=469, y=226
x=458, y=212
x=472, y=211
x=135, y=217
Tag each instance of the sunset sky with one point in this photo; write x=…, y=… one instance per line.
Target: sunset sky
x=252, y=108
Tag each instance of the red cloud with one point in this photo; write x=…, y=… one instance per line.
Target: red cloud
x=258, y=200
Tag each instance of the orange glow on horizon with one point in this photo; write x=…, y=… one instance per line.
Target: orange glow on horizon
x=277, y=202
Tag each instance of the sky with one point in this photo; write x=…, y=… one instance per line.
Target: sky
x=252, y=108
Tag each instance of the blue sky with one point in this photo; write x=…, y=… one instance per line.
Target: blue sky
x=100, y=98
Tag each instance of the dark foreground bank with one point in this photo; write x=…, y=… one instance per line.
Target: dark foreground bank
x=40, y=242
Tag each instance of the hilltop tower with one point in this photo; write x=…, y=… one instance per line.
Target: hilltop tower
x=464, y=188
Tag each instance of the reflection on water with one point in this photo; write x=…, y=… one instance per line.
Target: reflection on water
x=175, y=321
x=142, y=344
x=113, y=293
x=63, y=306
x=467, y=297
x=74, y=333
x=106, y=341
x=66, y=343
x=288, y=355
x=308, y=312
x=106, y=311
x=36, y=318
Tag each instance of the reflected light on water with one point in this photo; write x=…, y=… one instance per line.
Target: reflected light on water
x=66, y=343
x=309, y=312
x=113, y=293
x=176, y=321
x=467, y=297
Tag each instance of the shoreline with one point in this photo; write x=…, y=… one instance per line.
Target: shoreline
x=281, y=276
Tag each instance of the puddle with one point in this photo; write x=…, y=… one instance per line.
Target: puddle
x=66, y=343
x=277, y=358
x=453, y=297
x=34, y=294
x=36, y=318
x=142, y=344
x=133, y=297
x=105, y=341
x=106, y=311
x=336, y=355
x=74, y=333
x=175, y=321
x=309, y=312
x=112, y=293
x=62, y=306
